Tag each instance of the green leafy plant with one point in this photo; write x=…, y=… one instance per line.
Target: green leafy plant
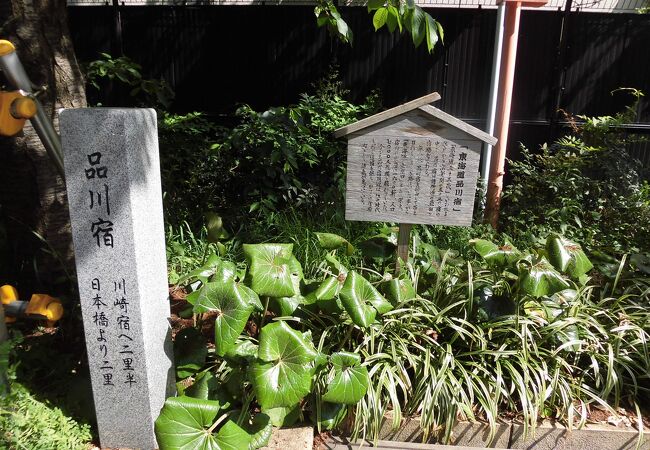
x=127, y=72
x=585, y=185
x=402, y=15
x=287, y=153
x=277, y=368
x=191, y=173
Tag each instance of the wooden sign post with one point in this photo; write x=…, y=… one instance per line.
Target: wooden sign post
x=412, y=164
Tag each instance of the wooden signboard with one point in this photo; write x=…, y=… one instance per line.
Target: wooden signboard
x=413, y=164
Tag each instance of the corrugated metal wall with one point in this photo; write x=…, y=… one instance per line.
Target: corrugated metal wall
x=216, y=57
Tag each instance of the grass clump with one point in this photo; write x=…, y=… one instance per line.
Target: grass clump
x=27, y=422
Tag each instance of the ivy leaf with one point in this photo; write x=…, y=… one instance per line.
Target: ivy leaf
x=281, y=374
x=190, y=351
x=379, y=19
x=567, y=256
x=350, y=381
x=184, y=422
x=494, y=255
x=270, y=272
x=361, y=300
x=260, y=430
x=330, y=241
x=233, y=312
x=540, y=278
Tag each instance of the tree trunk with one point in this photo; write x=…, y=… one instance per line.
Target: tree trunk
x=32, y=194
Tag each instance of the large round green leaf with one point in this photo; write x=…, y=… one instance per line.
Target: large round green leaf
x=190, y=351
x=214, y=267
x=282, y=374
x=350, y=380
x=328, y=289
x=361, y=300
x=243, y=349
x=233, y=312
x=567, y=256
x=540, y=278
x=207, y=387
x=184, y=424
x=271, y=267
x=501, y=256
x=285, y=306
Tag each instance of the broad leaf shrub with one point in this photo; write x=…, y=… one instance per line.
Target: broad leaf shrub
x=286, y=155
x=514, y=330
x=585, y=185
x=191, y=175
x=261, y=374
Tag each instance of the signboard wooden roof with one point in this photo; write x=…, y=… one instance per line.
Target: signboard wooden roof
x=422, y=104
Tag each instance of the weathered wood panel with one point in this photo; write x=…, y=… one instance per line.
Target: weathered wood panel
x=409, y=177
x=415, y=123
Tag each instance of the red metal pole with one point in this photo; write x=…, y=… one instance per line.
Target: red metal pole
x=508, y=60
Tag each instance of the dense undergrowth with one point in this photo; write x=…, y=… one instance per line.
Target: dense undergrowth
x=308, y=318
x=474, y=328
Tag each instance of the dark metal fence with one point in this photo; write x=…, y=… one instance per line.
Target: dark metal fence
x=217, y=56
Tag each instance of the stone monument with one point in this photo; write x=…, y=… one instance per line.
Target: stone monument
x=113, y=181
